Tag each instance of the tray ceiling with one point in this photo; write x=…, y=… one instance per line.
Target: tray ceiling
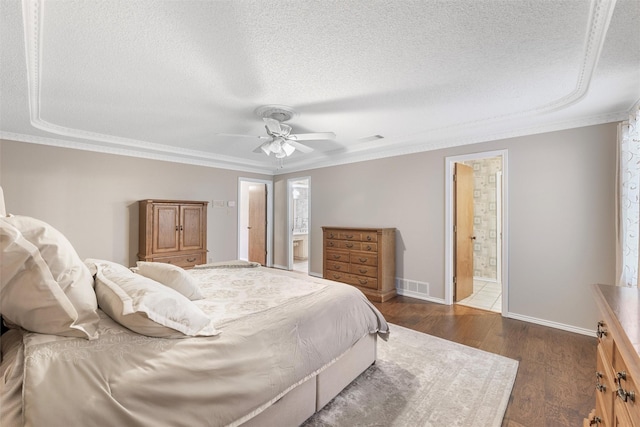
x=162, y=79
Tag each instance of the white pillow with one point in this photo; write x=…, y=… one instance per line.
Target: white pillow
x=44, y=286
x=148, y=307
x=172, y=276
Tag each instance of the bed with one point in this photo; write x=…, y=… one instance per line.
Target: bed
x=277, y=346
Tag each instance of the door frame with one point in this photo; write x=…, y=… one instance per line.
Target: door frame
x=290, y=219
x=449, y=268
x=241, y=207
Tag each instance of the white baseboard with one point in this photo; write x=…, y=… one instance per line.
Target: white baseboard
x=318, y=275
x=281, y=267
x=551, y=324
x=419, y=295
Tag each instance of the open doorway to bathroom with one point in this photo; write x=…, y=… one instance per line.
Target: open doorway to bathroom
x=481, y=245
x=299, y=218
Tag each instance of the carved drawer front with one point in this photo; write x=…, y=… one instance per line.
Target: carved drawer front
x=182, y=260
x=364, y=270
x=605, y=339
x=350, y=235
x=626, y=389
x=369, y=247
x=367, y=282
x=605, y=388
x=369, y=237
x=337, y=256
x=338, y=266
x=336, y=275
x=349, y=245
x=364, y=258
x=332, y=235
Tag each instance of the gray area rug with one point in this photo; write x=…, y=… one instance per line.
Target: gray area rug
x=422, y=380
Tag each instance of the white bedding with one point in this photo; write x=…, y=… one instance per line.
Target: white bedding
x=278, y=328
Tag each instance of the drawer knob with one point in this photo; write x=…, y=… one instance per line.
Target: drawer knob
x=623, y=394
x=595, y=420
x=600, y=387
x=369, y=238
x=601, y=332
x=330, y=244
x=368, y=247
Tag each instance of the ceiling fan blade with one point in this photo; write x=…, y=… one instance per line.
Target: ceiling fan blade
x=273, y=125
x=300, y=147
x=242, y=136
x=313, y=136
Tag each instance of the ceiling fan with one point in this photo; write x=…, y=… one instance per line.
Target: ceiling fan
x=280, y=141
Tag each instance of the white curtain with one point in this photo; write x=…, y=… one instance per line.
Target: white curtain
x=628, y=205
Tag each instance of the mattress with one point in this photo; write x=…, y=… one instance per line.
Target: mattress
x=277, y=330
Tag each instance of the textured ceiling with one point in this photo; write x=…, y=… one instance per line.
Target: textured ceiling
x=162, y=79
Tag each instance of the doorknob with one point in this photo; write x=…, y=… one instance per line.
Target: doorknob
x=473, y=237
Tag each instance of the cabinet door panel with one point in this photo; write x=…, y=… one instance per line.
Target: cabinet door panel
x=166, y=226
x=192, y=226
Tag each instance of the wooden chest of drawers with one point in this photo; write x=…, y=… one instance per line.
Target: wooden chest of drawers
x=618, y=358
x=362, y=257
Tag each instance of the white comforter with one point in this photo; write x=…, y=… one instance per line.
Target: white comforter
x=278, y=329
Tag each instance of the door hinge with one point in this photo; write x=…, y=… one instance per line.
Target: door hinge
x=455, y=280
x=455, y=228
x=455, y=177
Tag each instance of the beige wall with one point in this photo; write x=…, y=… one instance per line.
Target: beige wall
x=92, y=197
x=561, y=209
x=561, y=216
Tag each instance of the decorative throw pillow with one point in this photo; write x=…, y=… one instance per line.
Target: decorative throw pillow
x=172, y=276
x=44, y=286
x=148, y=307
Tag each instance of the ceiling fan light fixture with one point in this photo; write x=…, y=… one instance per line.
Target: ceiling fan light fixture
x=288, y=148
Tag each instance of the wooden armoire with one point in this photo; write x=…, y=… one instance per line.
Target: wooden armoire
x=173, y=231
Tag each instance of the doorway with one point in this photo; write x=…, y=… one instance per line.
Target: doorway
x=255, y=213
x=482, y=249
x=298, y=220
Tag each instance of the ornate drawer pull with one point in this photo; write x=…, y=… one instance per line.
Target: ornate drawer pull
x=337, y=267
x=349, y=245
x=363, y=281
x=363, y=270
x=595, y=420
x=337, y=256
x=330, y=244
x=601, y=332
x=331, y=235
x=368, y=247
x=369, y=238
x=191, y=259
x=600, y=387
x=349, y=236
x=363, y=259
x=337, y=276
x=621, y=392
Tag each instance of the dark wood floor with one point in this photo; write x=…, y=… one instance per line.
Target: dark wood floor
x=555, y=384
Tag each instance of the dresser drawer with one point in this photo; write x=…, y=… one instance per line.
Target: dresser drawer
x=332, y=234
x=338, y=266
x=350, y=235
x=369, y=247
x=370, y=237
x=181, y=260
x=605, y=339
x=364, y=270
x=367, y=282
x=626, y=384
x=605, y=388
x=341, y=256
x=364, y=258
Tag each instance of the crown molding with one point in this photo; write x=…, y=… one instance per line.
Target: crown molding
x=196, y=158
